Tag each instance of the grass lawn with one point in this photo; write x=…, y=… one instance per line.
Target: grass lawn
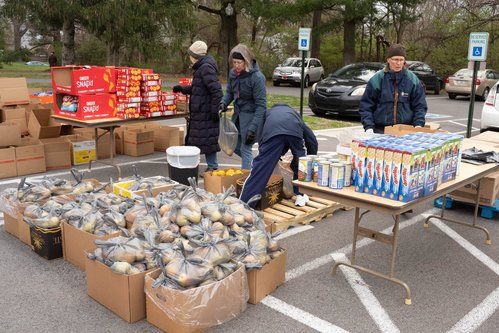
x=292, y=101
x=19, y=69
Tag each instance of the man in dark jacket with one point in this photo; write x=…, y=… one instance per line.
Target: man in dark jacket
x=52, y=59
x=246, y=87
x=283, y=130
x=393, y=96
x=206, y=93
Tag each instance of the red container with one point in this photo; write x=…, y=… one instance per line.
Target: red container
x=185, y=81
x=76, y=80
x=98, y=106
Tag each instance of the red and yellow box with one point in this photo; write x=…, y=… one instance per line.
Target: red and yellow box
x=77, y=80
x=97, y=106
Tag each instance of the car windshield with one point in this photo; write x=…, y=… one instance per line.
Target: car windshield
x=363, y=73
x=468, y=73
x=291, y=62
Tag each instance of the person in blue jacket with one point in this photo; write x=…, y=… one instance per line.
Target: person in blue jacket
x=246, y=88
x=283, y=130
x=394, y=95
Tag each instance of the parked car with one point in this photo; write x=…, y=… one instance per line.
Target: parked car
x=341, y=91
x=426, y=75
x=459, y=84
x=290, y=72
x=490, y=111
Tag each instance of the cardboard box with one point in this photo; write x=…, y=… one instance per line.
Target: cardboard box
x=16, y=115
x=138, y=142
x=11, y=134
x=264, y=281
x=272, y=194
x=13, y=91
x=198, y=309
x=121, y=189
x=489, y=136
x=42, y=126
x=103, y=144
x=400, y=129
x=83, y=151
x=76, y=80
x=164, y=136
x=8, y=166
x=11, y=224
x=489, y=190
x=181, y=134
x=90, y=107
x=47, y=243
x=76, y=243
x=24, y=232
x=119, y=141
x=30, y=157
x=57, y=153
x=122, y=294
x=219, y=184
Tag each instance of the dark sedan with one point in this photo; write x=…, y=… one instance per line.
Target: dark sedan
x=341, y=91
x=426, y=75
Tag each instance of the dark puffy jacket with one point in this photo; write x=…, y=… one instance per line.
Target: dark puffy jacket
x=247, y=90
x=206, y=94
x=281, y=119
x=377, y=104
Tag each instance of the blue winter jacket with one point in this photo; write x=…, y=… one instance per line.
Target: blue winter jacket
x=250, y=100
x=381, y=106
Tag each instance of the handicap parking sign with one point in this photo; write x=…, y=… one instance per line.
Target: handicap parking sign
x=477, y=51
x=303, y=43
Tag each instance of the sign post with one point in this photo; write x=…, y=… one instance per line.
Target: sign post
x=303, y=46
x=477, y=51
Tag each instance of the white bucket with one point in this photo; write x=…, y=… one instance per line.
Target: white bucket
x=183, y=157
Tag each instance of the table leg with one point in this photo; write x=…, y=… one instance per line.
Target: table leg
x=394, y=244
x=355, y=234
x=110, y=130
x=488, y=241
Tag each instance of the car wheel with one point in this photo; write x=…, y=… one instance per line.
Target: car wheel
x=318, y=112
x=306, y=82
x=437, y=88
x=485, y=94
x=452, y=96
x=321, y=78
x=276, y=84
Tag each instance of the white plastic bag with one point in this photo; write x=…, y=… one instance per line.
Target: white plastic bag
x=283, y=169
x=228, y=135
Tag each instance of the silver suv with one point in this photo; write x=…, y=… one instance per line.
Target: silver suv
x=290, y=72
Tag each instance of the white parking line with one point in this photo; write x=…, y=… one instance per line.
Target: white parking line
x=326, y=259
x=476, y=317
x=464, y=125
x=301, y=316
x=366, y=296
x=294, y=231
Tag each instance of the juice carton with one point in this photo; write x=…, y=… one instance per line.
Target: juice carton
x=369, y=175
x=378, y=169
x=354, y=146
x=360, y=161
x=409, y=170
x=386, y=182
x=430, y=183
x=396, y=164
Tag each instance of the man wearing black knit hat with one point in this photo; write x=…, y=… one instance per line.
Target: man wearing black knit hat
x=394, y=95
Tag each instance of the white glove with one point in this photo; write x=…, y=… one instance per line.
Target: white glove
x=418, y=126
x=369, y=131
x=301, y=200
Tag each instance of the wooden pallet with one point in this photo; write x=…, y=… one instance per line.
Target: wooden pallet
x=285, y=214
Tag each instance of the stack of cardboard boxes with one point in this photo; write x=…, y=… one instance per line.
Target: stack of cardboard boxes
x=181, y=100
x=150, y=90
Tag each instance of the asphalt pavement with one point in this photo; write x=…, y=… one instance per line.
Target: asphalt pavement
x=452, y=273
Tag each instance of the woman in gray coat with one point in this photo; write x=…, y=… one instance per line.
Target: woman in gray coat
x=246, y=88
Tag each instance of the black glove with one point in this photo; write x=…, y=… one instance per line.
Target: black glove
x=222, y=108
x=215, y=117
x=177, y=89
x=250, y=137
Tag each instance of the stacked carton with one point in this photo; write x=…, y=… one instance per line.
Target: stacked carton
x=168, y=103
x=150, y=90
x=181, y=100
x=405, y=168
x=128, y=93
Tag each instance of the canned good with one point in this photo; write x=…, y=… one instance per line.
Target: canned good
x=336, y=175
x=343, y=157
x=315, y=166
x=305, y=169
x=333, y=160
x=348, y=174
x=323, y=173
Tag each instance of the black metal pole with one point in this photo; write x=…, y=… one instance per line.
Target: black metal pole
x=476, y=66
x=302, y=82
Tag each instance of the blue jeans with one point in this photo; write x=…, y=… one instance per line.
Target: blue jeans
x=245, y=152
x=211, y=160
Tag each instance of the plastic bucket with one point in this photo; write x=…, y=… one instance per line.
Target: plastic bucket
x=183, y=162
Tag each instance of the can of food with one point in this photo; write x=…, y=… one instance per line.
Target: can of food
x=333, y=160
x=323, y=173
x=336, y=175
x=315, y=167
x=304, y=169
x=348, y=174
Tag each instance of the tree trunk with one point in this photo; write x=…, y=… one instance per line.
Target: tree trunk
x=349, y=41
x=228, y=37
x=18, y=33
x=68, y=41
x=254, y=30
x=315, y=49
x=362, y=42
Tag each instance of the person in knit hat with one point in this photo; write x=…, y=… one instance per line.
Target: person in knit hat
x=206, y=93
x=246, y=89
x=393, y=96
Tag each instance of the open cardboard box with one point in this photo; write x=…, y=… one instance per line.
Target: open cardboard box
x=122, y=294
x=30, y=157
x=83, y=79
x=90, y=107
x=401, y=129
x=11, y=134
x=121, y=189
x=489, y=190
x=219, y=184
x=8, y=162
x=11, y=224
x=42, y=126
x=13, y=91
x=16, y=115
x=264, y=281
x=76, y=243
